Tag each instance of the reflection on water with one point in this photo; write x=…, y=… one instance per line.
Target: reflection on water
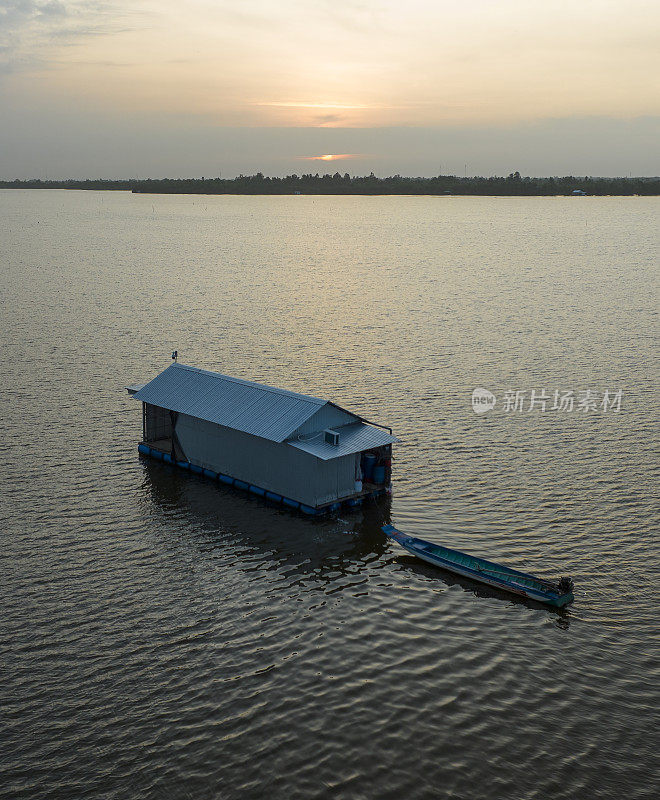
x=280, y=537
x=480, y=589
x=274, y=535
x=164, y=636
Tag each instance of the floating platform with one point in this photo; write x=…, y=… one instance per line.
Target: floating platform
x=263, y=439
x=371, y=491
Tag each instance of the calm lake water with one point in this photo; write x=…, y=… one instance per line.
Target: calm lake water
x=164, y=637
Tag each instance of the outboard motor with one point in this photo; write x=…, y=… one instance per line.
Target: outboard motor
x=565, y=585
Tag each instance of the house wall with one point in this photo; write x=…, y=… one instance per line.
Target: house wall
x=326, y=417
x=157, y=424
x=279, y=468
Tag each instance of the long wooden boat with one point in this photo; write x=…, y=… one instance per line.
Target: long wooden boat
x=510, y=580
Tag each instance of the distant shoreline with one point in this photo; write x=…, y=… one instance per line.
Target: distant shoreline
x=514, y=185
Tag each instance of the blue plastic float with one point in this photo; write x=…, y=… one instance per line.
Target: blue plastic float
x=352, y=502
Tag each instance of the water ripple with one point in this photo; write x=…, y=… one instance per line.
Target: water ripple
x=163, y=636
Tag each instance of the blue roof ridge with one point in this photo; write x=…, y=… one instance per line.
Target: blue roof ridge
x=265, y=387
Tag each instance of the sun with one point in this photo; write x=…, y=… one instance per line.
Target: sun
x=330, y=157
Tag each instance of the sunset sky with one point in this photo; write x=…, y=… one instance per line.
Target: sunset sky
x=142, y=88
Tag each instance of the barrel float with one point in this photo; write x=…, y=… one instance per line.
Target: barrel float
x=210, y=474
x=226, y=479
x=275, y=498
x=241, y=485
x=368, y=464
x=257, y=490
x=291, y=503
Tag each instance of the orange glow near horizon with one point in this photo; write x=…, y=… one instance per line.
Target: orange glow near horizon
x=341, y=106
x=330, y=157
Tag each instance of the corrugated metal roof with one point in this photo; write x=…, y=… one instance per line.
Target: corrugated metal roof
x=243, y=405
x=353, y=438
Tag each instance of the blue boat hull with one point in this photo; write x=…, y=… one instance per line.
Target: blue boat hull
x=478, y=569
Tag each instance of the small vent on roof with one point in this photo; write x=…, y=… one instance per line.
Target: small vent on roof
x=331, y=437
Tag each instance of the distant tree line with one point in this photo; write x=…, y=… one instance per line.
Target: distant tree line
x=513, y=185
x=71, y=183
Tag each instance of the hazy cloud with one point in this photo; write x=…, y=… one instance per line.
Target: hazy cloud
x=326, y=119
x=429, y=82
x=29, y=27
x=79, y=144
x=53, y=8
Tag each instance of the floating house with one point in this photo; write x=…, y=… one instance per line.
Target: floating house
x=291, y=448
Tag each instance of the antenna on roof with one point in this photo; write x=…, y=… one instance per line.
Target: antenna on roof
x=175, y=355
